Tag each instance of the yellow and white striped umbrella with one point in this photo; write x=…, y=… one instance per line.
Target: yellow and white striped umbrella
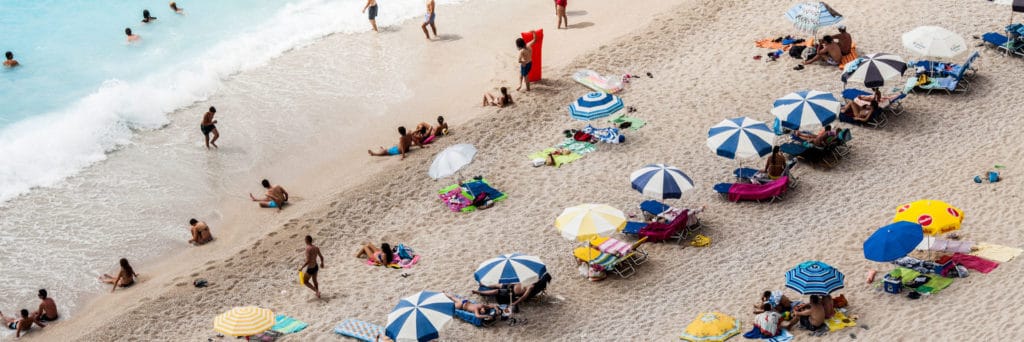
x=587, y=221
x=244, y=321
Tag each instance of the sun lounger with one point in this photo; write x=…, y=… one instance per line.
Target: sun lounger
x=659, y=231
x=633, y=227
x=877, y=119
x=770, y=192
x=951, y=82
x=359, y=330
x=608, y=262
x=893, y=106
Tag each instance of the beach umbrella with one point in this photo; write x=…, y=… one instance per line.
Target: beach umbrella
x=244, y=321
x=934, y=41
x=451, y=160
x=814, y=277
x=740, y=138
x=661, y=181
x=419, y=317
x=594, y=105
x=587, y=221
x=810, y=16
x=510, y=269
x=806, y=109
x=877, y=68
x=935, y=217
x=893, y=241
x=711, y=326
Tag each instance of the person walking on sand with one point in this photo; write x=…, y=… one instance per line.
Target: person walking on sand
x=47, y=311
x=131, y=37
x=428, y=19
x=309, y=277
x=125, y=278
x=20, y=325
x=560, y=13
x=275, y=197
x=372, y=6
x=200, y=232
x=525, y=59
x=404, y=143
x=209, y=126
x=10, y=62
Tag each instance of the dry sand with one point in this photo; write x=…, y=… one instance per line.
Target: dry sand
x=700, y=56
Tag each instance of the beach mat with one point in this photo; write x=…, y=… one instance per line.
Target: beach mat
x=840, y=321
x=579, y=147
x=559, y=160
x=634, y=123
x=359, y=330
x=935, y=284
x=767, y=43
x=288, y=325
x=996, y=252
x=593, y=80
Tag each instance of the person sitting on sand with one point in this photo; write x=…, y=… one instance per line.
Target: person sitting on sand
x=845, y=40
x=481, y=311
x=498, y=101
x=10, y=62
x=828, y=52
x=20, y=325
x=776, y=301
x=276, y=196
x=422, y=133
x=176, y=9
x=810, y=316
x=379, y=256
x=550, y=161
x=47, y=311
x=818, y=139
x=125, y=278
x=441, y=129
x=775, y=165
x=131, y=37
x=404, y=143
x=200, y=232
x=146, y=18
x=769, y=318
x=859, y=112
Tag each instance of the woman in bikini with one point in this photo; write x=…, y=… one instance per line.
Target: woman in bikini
x=379, y=256
x=483, y=311
x=125, y=278
x=498, y=101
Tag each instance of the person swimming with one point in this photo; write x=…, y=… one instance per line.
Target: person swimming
x=146, y=18
x=175, y=8
x=131, y=37
x=10, y=62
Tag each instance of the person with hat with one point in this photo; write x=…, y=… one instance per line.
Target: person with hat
x=844, y=39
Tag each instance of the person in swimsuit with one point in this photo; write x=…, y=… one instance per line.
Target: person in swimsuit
x=481, y=311
x=810, y=316
x=498, y=101
x=146, y=18
x=10, y=62
x=200, y=232
x=844, y=39
x=817, y=139
x=775, y=165
x=47, y=311
x=828, y=52
x=405, y=142
x=209, y=125
x=378, y=256
x=312, y=253
x=428, y=19
x=125, y=278
x=441, y=129
x=856, y=111
x=131, y=37
x=275, y=197
x=560, y=13
x=525, y=59
x=776, y=300
x=372, y=6
x=20, y=325
x=176, y=9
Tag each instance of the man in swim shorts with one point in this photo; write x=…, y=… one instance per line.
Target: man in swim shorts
x=428, y=19
x=309, y=278
x=10, y=62
x=372, y=6
x=275, y=197
x=525, y=59
x=20, y=325
x=200, y=232
x=560, y=13
x=828, y=52
x=209, y=125
x=811, y=316
x=47, y=311
x=404, y=143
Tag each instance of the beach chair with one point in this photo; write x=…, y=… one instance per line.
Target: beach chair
x=659, y=231
x=470, y=318
x=769, y=192
x=608, y=262
x=941, y=69
x=876, y=120
x=359, y=330
x=752, y=175
x=1004, y=44
x=633, y=228
x=653, y=209
x=895, y=105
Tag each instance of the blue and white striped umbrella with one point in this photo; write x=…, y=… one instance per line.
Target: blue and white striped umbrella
x=810, y=16
x=661, y=181
x=740, y=138
x=594, y=105
x=806, y=109
x=510, y=269
x=814, y=277
x=419, y=317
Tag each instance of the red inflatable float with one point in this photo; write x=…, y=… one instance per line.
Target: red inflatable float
x=534, y=74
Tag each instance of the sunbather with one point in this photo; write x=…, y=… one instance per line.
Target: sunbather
x=20, y=325
x=503, y=100
x=859, y=112
x=442, y=127
x=404, y=143
x=517, y=290
x=550, y=161
x=776, y=301
x=775, y=165
x=817, y=139
x=533, y=290
x=828, y=52
x=379, y=256
x=481, y=311
x=125, y=278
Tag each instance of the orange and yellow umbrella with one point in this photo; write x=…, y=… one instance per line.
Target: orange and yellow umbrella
x=935, y=217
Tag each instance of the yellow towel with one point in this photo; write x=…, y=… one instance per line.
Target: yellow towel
x=586, y=253
x=840, y=321
x=996, y=252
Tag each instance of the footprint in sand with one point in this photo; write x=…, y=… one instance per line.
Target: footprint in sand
x=197, y=273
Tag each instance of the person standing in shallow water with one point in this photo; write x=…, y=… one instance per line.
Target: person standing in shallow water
x=10, y=62
x=209, y=126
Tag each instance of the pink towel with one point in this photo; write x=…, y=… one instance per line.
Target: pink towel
x=975, y=263
x=613, y=246
x=758, y=192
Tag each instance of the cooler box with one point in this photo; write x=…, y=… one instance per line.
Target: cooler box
x=893, y=285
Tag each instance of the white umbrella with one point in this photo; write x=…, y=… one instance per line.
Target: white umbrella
x=934, y=41
x=451, y=160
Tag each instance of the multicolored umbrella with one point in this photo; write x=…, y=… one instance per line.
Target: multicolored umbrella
x=661, y=181
x=711, y=326
x=814, y=277
x=740, y=138
x=935, y=217
x=934, y=41
x=893, y=241
x=809, y=17
x=510, y=269
x=451, y=160
x=594, y=105
x=806, y=110
x=587, y=221
x=244, y=321
x=419, y=317
x=877, y=68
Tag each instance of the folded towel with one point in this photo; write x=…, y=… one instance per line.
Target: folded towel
x=288, y=325
x=996, y=252
x=359, y=330
x=944, y=245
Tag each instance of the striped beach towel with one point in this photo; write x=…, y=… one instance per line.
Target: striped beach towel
x=359, y=330
x=616, y=247
x=580, y=147
x=288, y=325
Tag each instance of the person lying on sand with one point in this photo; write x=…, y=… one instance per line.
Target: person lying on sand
x=828, y=52
x=482, y=311
x=550, y=161
x=404, y=143
x=47, y=311
x=498, y=101
x=776, y=301
x=276, y=196
x=200, y=232
x=125, y=278
x=379, y=256
x=22, y=324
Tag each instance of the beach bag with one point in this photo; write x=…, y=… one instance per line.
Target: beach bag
x=581, y=136
x=404, y=252
x=796, y=51
x=840, y=301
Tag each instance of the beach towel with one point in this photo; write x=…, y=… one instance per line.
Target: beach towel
x=839, y=321
x=359, y=330
x=768, y=43
x=847, y=58
x=634, y=123
x=934, y=285
x=755, y=333
x=608, y=135
x=996, y=252
x=288, y=325
x=559, y=159
x=398, y=262
x=943, y=245
x=768, y=323
x=477, y=186
x=616, y=247
x=593, y=80
x=972, y=262
x=580, y=147
x=455, y=198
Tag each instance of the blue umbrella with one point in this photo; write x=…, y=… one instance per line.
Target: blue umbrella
x=419, y=317
x=510, y=269
x=661, y=181
x=893, y=241
x=814, y=277
x=594, y=105
x=807, y=109
x=740, y=138
x=811, y=16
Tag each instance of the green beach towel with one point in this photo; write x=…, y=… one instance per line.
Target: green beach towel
x=288, y=325
x=559, y=160
x=580, y=147
x=498, y=195
x=634, y=123
x=934, y=285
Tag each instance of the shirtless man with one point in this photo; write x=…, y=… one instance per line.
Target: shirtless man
x=200, y=232
x=428, y=19
x=10, y=62
x=20, y=325
x=209, y=125
x=525, y=59
x=844, y=39
x=442, y=127
x=275, y=197
x=404, y=143
x=131, y=37
x=810, y=316
x=828, y=52
x=47, y=311
x=309, y=278
x=372, y=6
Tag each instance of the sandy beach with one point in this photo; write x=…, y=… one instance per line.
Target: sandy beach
x=700, y=56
